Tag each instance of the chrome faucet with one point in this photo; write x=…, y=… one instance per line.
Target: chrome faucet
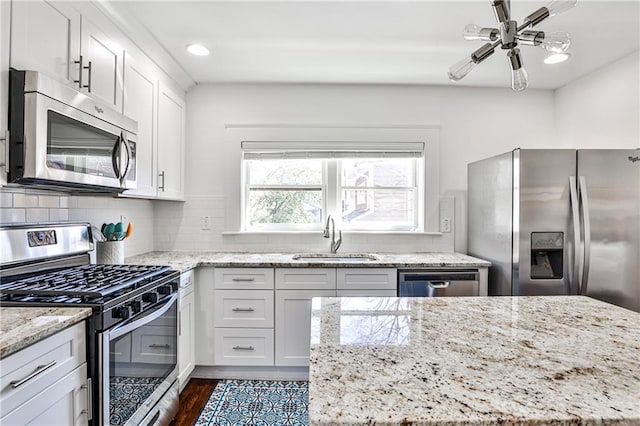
x=335, y=245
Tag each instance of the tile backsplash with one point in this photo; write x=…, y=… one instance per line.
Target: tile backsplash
x=165, y=225
x=21, y=205
x=178, y=226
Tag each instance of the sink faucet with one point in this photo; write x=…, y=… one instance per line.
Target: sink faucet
x=335, y=245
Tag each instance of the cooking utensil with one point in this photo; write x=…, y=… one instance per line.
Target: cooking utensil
x=97, y=234
x=129, y=230
x=108, y=231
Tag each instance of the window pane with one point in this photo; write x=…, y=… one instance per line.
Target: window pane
x=398, y=172
x=285, y=172
x=383, y=208
x=299, y=207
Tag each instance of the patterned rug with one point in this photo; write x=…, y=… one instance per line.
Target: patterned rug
x=256, y=403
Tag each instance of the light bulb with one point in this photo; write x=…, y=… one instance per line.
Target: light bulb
x=556, y=58
x=471, y=32
x=560, y=6
x=519, y=78
x=460, y=69
x=557, y=42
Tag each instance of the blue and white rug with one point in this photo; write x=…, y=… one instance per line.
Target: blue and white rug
x=256, y=403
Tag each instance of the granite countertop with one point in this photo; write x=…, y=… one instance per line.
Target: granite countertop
x=183, y=261
x=20, y=327
x=476, y=361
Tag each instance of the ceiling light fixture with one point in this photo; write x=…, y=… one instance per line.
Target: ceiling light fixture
x=197, y=49
x=509, y=35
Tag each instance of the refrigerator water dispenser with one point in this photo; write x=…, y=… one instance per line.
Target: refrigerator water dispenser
x=547, y=252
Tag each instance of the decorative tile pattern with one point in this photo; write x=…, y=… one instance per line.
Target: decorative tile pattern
x=258, y=403
x=127, y=394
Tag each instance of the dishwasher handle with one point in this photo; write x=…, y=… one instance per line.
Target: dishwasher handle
x=439, y=284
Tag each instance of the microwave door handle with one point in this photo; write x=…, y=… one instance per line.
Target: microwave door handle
x=127, y=149
x=115, y=157
x=134, y=323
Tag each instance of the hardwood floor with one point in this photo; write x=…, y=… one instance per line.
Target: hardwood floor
x=192, y=399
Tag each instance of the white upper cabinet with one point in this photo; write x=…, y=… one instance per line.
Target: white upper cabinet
x=140, y=100
x=171, y=136
x=102, y=63
x=45, y=37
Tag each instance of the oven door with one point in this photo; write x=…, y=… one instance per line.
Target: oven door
x=138, y=364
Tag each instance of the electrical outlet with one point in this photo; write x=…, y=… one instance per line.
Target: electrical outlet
x=124, y=219
x=206, y=223
x=445, y=225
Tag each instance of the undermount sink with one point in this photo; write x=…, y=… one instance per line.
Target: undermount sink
x=335, y=257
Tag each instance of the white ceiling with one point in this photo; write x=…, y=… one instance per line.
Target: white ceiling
x=393, y=42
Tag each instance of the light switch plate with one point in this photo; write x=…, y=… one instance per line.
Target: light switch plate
x=206, y=223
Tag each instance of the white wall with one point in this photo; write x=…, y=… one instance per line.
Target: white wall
x=601, y=109
x=474, y=123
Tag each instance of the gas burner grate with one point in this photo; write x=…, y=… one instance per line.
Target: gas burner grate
x=87, y=281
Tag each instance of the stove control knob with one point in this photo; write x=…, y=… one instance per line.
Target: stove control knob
x=165, y=289
x=136, y=306
x=151, y=297
x=121, y=312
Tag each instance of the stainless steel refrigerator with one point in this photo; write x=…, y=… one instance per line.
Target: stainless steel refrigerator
x=558, y=221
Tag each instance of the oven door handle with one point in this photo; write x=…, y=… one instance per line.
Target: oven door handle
x=136, y=322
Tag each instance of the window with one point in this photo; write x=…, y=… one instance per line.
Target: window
x=291, y=186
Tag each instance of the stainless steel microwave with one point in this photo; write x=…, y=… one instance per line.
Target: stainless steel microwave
x=62, y=139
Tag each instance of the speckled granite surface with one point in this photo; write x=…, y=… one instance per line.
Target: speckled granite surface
x=561, y=360
x=20, y=327
x=184, y=261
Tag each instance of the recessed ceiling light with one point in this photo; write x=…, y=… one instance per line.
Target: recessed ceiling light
x=556, y=58
x=197, y=49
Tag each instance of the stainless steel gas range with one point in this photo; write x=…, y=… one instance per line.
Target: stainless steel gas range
x=132, y=334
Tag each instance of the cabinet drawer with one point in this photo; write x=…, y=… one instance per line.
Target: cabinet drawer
x=368, y=293
x=244, y=278
x=367, y=278
x=155, y=344
x=306, y=278
x=243, y=346
x=46, y=361
x=240, y=308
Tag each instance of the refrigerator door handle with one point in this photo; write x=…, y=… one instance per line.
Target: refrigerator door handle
x=575, y=218
x=584, y=206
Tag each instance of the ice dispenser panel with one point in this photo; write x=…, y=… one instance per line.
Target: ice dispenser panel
x=547, y=252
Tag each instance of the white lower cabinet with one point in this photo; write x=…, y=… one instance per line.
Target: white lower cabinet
x=46, y=383
x=242, y=308
x=293, y=325
x=186, y=328
x=367, y=278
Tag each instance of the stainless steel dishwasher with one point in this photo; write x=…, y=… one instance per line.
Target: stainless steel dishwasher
x=438, y=283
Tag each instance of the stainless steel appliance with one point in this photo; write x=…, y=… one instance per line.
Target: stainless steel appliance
x=429, y=283
x=59, y=137
x=558, y=221
x=132, y=334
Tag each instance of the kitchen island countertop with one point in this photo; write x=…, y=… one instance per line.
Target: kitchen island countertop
x=21, y=327
x=183, y=261
x=519, y=360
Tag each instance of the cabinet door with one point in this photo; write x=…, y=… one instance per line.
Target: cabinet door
x=293, y=325
x=366, y=278
x=171, y=133
x=204, y=324
x=104, y=60
x=45, y=37
x=140, y=104
x=186, y=338
x=63, y=403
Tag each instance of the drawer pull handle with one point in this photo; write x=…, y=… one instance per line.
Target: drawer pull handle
x=41, y=369
x=244, y=348
x=439, y=284
x=165, y=346
x=243, y=280
x=242, y=309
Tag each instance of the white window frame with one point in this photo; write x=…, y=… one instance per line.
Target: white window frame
x=329, y=134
